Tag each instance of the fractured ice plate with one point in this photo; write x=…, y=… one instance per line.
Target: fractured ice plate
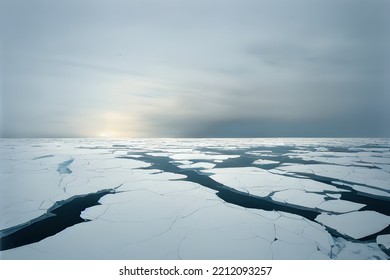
x=200, y=198
x=340, y=206
x=384, y=240
x=355, y=224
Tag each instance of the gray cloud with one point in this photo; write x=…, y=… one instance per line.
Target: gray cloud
x=195, y=68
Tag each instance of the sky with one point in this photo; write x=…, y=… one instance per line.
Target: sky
x=205, y=68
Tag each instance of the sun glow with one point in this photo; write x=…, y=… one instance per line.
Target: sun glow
x=114, y=124
x=112, y=134
x=106, y=134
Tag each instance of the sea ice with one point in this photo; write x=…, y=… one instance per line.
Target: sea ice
x=198, y=165
x=340, y=206
x=155, y=214
x=350, y=250
x=371, y=191
x=202, y=156
x=265, y=161
x=287, y=251
x=262, y=183
x=371, y=177
x=383, y=240
x=299, y=198
x=355, y=224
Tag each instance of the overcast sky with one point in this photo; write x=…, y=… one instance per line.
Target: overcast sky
x=176, y=68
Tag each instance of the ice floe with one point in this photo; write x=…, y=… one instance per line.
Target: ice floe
x=371, y=191
x=198, y=165
x=383, y=240
x=299, y=198
x=265, y=161
x=355, y=224
x=299, y=192
x=366, y=176
x=340, y=206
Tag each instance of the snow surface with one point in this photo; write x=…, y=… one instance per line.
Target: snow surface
x=156, y=214
x=198, y=165
x=289, y=190
x=350, y=250
x=371, y=191
x=376, y=178
x=350, y=224
x=265, y=161
x=384, y=240
x=340, y=206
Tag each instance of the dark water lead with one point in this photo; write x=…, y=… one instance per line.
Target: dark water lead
x=61, y=215
x=246, y=200
x=228, y=194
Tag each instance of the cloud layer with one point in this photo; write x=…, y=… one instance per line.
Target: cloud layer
x=195, y=68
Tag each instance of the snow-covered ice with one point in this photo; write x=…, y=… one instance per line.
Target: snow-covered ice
x=384, y=240
x=373, y=177
x=265, y=161
x=198, y=165
x=199, y=198
x=351, y=250
x=356, y=224
x=340, y=206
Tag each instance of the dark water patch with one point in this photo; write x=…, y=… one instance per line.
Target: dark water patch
x=373, y=196
x=249, y=159
x=378, y=204
x=226, y=193
x=41, y=157
x=320, y=179
x=268, y=166
x=127, y=157
x=62, y=215
x=369, y=238
x=246, y=160
x=248, y=201
x=242, y=161
x=372, y=238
